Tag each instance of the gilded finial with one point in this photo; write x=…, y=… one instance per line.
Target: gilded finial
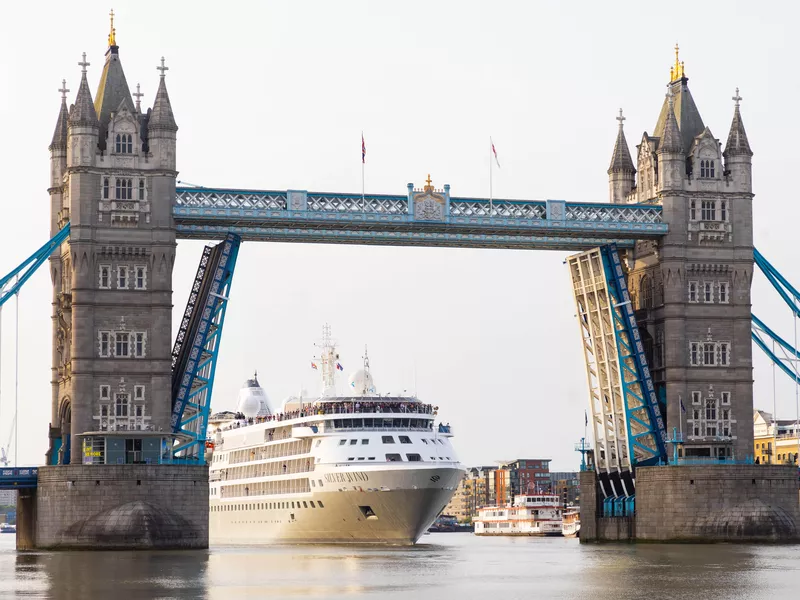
x=676, y=71
x=112, y=35
x=428, y=186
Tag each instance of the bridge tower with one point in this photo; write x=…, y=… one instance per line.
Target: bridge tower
x=691, y=288
x=113, y=179
x=111, y=480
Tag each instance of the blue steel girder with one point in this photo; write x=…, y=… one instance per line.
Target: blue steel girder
x=300, y=216
x=647, y=433
x=18, y=478
x=29, y=266
x=200, y=349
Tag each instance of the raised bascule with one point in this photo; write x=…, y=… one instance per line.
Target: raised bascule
x=661, y=282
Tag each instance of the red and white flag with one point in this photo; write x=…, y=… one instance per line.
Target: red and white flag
x=495, y=153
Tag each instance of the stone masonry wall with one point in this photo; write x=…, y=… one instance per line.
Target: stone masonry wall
x=122, y=506
x=588, y=481
x=717, y=503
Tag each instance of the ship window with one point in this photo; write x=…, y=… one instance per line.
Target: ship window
x=393, y=458
x=424, y=441
x=371, y=458
x=311, y=502
x=404, y=439
x=318, y=443
x=364, y=442
x=342, y=442
x=433, y=458
x=414, y=457
x=305, y=504
x=351, y=458
x=292, y=504
x=313, y=484
x=387, y=439
x=353, y=442
x=441, y=442
x=320, y=482
x=321, y=505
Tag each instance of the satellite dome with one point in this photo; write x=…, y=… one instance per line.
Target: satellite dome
x=252, y=399
x=360, y=383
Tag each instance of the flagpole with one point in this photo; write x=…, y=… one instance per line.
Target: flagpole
x=363, y=161
x=490, y=176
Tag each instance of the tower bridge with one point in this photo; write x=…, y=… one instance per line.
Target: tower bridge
x=661, y=282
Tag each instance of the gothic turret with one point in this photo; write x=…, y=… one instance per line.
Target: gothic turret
x=671, y=161
x=82, y=125
x=738, y=155
x=59, y=141
x=161, y=125
x=621, y=172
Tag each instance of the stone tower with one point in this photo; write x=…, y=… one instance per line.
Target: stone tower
x=691, y=290
x=113, y=179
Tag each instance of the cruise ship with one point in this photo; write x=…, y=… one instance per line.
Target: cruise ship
x=355, y=468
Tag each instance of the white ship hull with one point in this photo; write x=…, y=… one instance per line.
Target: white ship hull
x=402, y=504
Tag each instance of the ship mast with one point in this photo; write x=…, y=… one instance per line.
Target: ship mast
x=328, y=358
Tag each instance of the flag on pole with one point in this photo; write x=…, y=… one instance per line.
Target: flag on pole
x=586, y=417
x=339, y=366
x=363, y=149
x=683, y=408
x=313, y=365
x=495, y=153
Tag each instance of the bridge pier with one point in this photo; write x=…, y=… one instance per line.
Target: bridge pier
x=26, y=518
x=132, y=507
x=700, y=503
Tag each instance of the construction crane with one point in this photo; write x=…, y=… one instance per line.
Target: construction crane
x=4, y=450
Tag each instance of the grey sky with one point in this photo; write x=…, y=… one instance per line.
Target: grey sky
x=274, y=95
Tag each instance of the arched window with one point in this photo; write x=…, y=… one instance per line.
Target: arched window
x=710, y=168
x=141, y=189
x=129, y=195
x=118, y=189
x=118, y=146
x=646, y=292
x=130, y=149
x=105, y=188
x=702, y=168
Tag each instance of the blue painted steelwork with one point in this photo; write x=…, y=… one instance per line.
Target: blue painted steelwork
x=197, y=348
x=28, y=267
x=762, y=334
x=647, y=433
x=301, y=216
x=18, y=478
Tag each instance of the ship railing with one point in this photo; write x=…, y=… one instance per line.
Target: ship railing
x=329, y=428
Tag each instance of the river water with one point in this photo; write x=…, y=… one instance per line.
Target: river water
x=442, y=566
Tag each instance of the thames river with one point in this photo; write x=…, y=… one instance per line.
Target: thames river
x=442, y=566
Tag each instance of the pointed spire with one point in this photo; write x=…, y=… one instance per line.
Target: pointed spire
x=113, y=94
x=161, y=116
x=737, y=138
x=83, y=112
x=621, y=161
x=60, y=134
x=671, y=138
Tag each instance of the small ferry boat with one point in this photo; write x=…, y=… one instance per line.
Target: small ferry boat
x=8, y=528
x=531, y=514
x=571, y=522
